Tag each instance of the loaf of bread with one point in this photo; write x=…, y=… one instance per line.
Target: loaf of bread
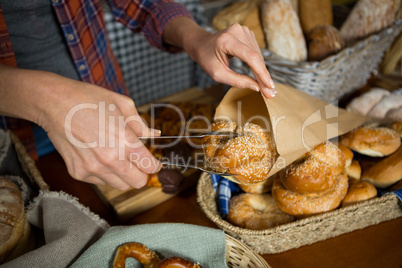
x=315, y=12
x=367, y=17
x=244, y=13
x=323, y=41
x=282, y=29
x=12, y=217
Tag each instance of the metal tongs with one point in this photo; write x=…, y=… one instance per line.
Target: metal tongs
x=226, y=134
x=204, y=168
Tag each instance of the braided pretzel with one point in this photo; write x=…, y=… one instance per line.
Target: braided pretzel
x=148, y=258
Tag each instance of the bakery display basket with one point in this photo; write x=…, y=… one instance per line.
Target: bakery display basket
x=305, y=231
x=240, y=255
x=335, y=76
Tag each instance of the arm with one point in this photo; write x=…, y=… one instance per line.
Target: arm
x=169, y=26
x=72, y=114
x=212, y=52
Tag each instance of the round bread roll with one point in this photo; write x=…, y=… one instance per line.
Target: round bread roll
x=317, y=172
x=386, y=172
x=259, y=187
x=347, y=153
x=251, y=154
x=358, y=191
x=323, y=41
x=300, y=205
x=256, y=212
x=365, y=102
x=397, y=126
x=376, y=141
x=354, y=171
x=12, y=217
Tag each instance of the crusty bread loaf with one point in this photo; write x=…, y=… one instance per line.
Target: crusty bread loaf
x=245, y=13
x=315, y=12
x=367, y=17
x=12, y=217
x=323, y=41
x=386, y=172
x=282, y=29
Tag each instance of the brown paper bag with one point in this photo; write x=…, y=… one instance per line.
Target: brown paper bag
x=297, y=120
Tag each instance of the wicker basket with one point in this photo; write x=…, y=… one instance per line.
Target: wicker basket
x=240, y=255
x=28, y=164
x=305, y=231
x=335, y=76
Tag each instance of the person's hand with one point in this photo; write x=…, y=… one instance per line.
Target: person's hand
x=213, y=51
x=96, y=132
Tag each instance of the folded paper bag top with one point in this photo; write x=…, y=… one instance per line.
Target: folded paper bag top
x=297, y=120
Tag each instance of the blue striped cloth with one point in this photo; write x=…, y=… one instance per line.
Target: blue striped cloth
x=225, y=189
x=398, y=193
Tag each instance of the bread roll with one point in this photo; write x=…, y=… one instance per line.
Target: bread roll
x=282, y=29
x=386, y=172
x=256, y=212
x=323, y=41
x=365, y=102
x=347, y=153
x=397, y=126
x=358, y=191
x=376, y=141
x=259, y=187
x=12, y=217
x=315, y=12
x=367, y=17
x=354, y=171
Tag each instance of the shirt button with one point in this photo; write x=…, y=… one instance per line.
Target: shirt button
x=70, y=37
x=82, y=67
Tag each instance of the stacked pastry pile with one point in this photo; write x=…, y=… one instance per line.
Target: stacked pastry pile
x=175, y=119
x=378, y=103
x=326, y=178
x=304, y=30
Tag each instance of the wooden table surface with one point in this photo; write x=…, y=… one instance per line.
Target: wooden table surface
x=375, y=246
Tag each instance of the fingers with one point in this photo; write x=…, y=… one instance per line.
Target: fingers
x=242, y=44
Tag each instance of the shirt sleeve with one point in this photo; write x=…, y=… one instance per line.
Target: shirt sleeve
x=149, y=18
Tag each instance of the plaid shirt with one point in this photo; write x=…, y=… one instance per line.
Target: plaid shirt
x=85, y=33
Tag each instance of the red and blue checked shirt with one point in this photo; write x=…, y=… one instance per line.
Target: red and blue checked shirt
x=84, y=29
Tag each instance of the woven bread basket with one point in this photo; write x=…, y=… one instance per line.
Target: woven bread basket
x=240, y=255
x=305, y=231
x=28, y=164
x=335, y=76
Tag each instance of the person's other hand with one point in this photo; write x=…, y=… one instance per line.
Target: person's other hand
x=215, y=50
x=96, y=132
